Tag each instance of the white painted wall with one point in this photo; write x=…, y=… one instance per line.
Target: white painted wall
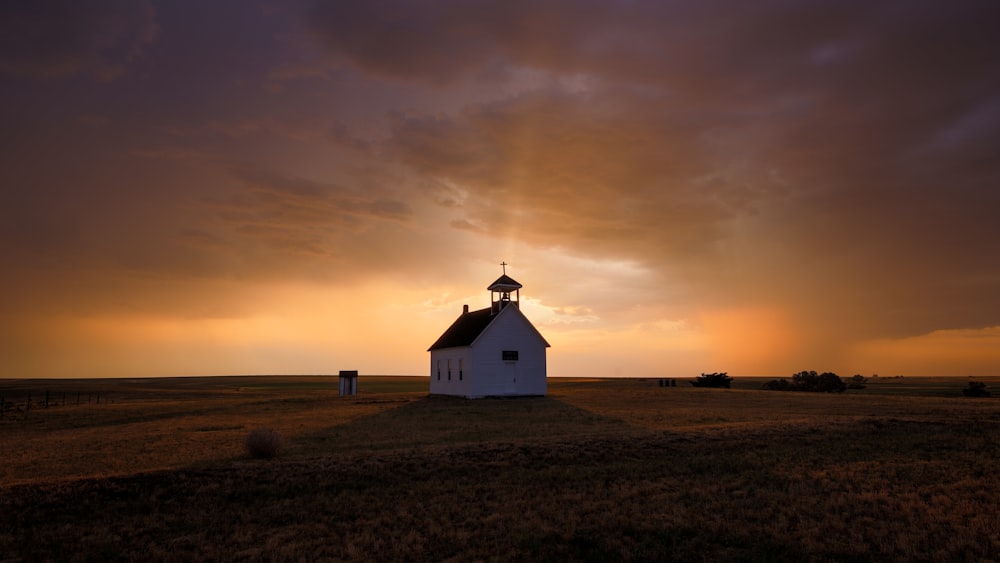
x=459, y=383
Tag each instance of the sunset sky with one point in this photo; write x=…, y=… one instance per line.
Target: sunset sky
x=280, y=187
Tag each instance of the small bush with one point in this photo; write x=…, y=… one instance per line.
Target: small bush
x=713, y=380
x=858, y=381
x=263, y=443
x=976, y=389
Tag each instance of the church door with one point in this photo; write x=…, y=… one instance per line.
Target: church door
x=510, y=378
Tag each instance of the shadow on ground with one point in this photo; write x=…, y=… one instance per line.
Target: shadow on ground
x=446, y=421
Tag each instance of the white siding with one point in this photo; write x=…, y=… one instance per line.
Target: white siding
x=459, y=384
x=526, y=376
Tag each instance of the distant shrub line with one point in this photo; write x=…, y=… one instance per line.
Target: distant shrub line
x=810, y=381
x=976, y=389
x=713, y=380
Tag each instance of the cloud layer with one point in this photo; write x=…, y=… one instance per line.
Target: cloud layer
x=798, y=149
x=823, y=173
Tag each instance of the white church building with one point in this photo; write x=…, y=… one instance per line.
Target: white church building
x=490, y=352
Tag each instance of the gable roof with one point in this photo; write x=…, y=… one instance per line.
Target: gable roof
x=465, y=329
x=504, y=282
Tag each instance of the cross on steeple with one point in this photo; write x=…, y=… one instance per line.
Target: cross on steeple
x=504, y=264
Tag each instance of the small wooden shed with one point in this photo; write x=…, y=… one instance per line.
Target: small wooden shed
x=348, y=382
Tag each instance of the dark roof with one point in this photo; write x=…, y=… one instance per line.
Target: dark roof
x=465, y=329
x=505, y=281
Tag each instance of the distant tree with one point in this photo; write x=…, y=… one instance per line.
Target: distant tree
x=777, y=385
x=805, y=381
x=811, y=381
x=713, y=380
x=857, y=381
x=830, y=382
x=976, y=389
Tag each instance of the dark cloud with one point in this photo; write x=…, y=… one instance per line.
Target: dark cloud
x=341, y=136
x=62, y=38
x=304, y=203
x=681, y=44
x=603, y=172
x=278, y=226
x=443, y=41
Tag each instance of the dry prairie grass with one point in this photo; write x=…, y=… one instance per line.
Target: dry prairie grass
x=161, y=424
x=598, y=471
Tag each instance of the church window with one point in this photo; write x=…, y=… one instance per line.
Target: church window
x=460, y=369
x=449, y=369
x=439, y=370
x=509, y=355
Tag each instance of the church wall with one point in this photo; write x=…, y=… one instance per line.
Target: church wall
x=494, y=375
x=461, y=362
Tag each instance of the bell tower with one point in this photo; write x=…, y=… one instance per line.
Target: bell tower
x=501, y=289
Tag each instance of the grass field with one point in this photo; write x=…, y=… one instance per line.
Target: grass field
x=599, y=470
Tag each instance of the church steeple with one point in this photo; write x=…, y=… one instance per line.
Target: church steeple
x=501, y=289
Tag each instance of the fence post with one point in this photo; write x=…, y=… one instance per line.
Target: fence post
x=28, y=406
x=46, y=398
x=77, y=397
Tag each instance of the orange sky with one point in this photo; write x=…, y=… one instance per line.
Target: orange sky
x=304, y=187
